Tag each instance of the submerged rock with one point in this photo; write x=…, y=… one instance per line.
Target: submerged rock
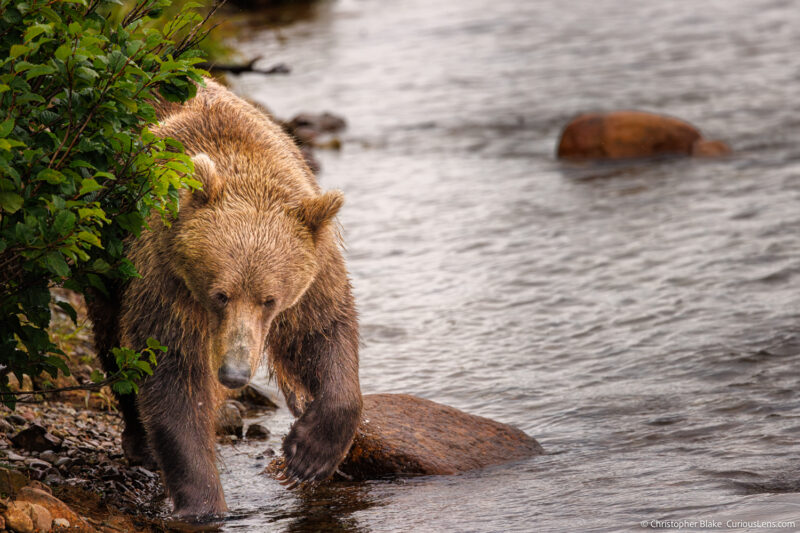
x=255, y=398
x=229, y=420
x=318, y=122
x=257, y=432
x=633, y=134
x=402, y=434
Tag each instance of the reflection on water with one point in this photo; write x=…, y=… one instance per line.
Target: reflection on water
x=639, y=319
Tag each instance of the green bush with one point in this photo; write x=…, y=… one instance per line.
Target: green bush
x=79, y=169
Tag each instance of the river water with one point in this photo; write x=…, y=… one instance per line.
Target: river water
x=641, y=320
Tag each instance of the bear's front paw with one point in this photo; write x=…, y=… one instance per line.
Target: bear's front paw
x=316, y=445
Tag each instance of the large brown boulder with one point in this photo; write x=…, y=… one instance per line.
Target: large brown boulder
x=56, y=508
x=633, y=134
x=402, y=434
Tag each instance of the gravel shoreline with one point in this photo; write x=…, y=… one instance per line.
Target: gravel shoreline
x=75, y=453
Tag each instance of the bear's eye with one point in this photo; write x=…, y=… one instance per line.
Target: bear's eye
x=269, y=302
x=221, y=298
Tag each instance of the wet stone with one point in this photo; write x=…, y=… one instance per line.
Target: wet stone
x=257, y=432
x=11, y=456
x=49, y=456
x=145, y=472
x=229, y=420
x=36, y=439
x=16, y=420
x=255, y=397
x=401, y=434
x=5, y=426
x=38, y=464
x=53, y=478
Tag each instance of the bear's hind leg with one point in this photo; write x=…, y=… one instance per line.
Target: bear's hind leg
x=104, y=315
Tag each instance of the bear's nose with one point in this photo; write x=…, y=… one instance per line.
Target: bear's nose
x=234, y=377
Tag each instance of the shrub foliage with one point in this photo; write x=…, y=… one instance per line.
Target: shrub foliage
x=79, y=169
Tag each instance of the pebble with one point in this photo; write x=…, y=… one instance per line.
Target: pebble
x=5, y=426
x=17, y=420
x=49, y=456
x=11, y=456
x=61, y=522
x=146, y=472
x=36, y=463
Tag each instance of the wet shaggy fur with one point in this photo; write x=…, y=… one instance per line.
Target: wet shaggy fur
x=250, y=270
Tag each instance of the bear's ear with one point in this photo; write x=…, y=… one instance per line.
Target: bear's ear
x=315, y=213
x=205, y=171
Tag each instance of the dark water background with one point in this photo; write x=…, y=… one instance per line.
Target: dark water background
x=641, y=320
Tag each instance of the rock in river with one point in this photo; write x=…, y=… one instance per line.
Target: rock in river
x=402, y=434
x=229, y=419
x=633, y=134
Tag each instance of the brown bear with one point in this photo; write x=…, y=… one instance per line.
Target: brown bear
x=250, y=269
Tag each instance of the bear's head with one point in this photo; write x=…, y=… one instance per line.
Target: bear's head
x=245, y=258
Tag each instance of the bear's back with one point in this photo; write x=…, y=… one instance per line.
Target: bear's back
x=257, y=160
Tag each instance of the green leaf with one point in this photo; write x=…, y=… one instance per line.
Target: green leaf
x=51, y=176
x=123, y=387
x=131, y=222
x=153, y=344
x=8, y=144
x=97, y=376
x=127, y=269
x=39, y=70
x=17, y=50
x=91, y=238
x=36, y=30
x=63, y=52
x=6, y=126
x=97, y=283
x=144, y=366
x=89, y=185
x=64, y=222
x=10, y=202
x=57, y=264
x=73, y=315
x=58, y=363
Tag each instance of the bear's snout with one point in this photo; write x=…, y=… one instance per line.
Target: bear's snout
x=234, y=376
x=236, y=368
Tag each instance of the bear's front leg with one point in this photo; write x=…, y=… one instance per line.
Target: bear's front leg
x=178, y=406
x=321, y=437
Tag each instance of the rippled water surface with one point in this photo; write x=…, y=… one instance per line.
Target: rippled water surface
x=639, y=319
